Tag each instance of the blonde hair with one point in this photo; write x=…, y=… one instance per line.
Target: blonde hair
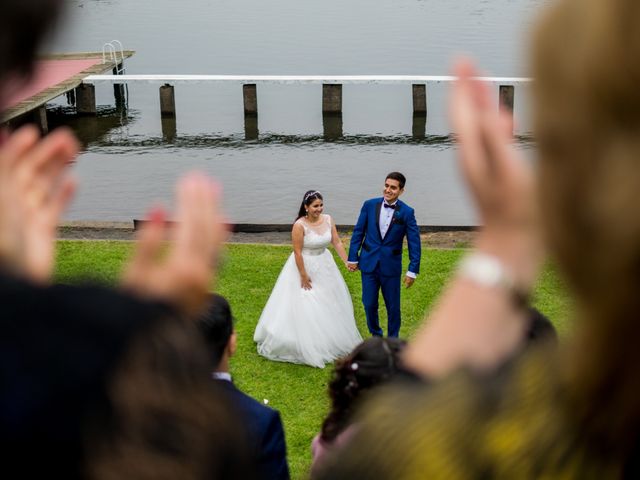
x=586, y=63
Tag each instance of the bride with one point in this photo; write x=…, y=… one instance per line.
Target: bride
x=309, y=315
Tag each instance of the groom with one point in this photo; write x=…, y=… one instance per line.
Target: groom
x=376, y=249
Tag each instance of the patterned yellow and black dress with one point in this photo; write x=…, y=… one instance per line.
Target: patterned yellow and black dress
x=511, y=425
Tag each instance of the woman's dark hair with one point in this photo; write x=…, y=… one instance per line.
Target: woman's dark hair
x=23, y=26
x=373, y=362
x=307, y=200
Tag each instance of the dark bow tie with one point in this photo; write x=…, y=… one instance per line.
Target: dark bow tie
x=392, y=207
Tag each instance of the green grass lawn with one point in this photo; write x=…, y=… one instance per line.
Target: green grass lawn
x=247, y=277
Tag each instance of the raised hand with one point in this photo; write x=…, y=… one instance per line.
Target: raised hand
x=500, y=181
x=35, y=187
x=183, y=274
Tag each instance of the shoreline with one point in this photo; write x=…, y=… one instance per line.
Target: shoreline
x=124, y=231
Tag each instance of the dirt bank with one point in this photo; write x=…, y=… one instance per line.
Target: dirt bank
x=124, y=231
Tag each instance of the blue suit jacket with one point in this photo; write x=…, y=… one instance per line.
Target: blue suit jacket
x=266, y=435
x=369, y=249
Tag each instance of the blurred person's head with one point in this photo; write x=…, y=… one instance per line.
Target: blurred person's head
x=165, y=418
x=216, y=326
x=372, y=363
x=23, y=26
x=587, y=123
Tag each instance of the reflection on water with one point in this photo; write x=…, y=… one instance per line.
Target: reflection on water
x=92, y=130
x=132, y=156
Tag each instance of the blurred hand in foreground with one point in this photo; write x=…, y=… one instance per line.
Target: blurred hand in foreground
x=182, y=274
x=500, y=180
x=35, y=187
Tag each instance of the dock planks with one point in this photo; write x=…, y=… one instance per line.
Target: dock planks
x=54, y=75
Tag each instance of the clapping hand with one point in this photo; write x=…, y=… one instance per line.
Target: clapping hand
x=35, y=187
x=183, y=275
x=500, y=181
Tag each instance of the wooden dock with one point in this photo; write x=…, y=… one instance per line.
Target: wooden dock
x=55, y=75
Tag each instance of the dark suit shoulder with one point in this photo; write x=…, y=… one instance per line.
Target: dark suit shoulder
x=373, y=201
x=246, y=403
x=405, y=206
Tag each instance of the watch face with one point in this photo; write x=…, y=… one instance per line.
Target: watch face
x=485, y=270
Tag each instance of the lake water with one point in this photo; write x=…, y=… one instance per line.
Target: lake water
x=129, y=163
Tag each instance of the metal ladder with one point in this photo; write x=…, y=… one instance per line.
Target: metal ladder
x=110, y=51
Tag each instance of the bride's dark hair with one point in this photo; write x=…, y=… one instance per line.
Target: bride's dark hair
x=307, y=200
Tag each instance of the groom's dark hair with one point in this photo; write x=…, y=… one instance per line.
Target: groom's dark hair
x=397, y=176
x=216, y=326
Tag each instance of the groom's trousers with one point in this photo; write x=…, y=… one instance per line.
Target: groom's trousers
x=372, y=283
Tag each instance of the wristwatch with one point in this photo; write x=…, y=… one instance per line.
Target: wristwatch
x=488, y=271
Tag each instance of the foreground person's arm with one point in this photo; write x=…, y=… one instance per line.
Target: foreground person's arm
x=479, y=319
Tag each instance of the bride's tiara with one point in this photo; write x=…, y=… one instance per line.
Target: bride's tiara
x=311, y=194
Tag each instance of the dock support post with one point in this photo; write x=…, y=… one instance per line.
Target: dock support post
x=40, y=118
x=250, y=98
x=118, y=88
x=169, y=128
x=505, y=98
x=86, y=99
x=419, y=126
x=332, y=126
x=167, y=101
x=331, y=98
x=251, y=127
x=419, y=99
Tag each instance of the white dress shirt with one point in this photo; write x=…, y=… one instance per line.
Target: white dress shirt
x=221, y=376
x=384, y=222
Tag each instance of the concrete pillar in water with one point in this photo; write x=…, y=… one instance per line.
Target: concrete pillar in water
x=331, y=98
x=250, y=98
x=506, y=97
x=419, y=126
x=86, y=99
x=169, y=128
x=332, y=125
x=118, y=88
x=419, y=99
x=167, y=101
x=40, y=118
x=251, y=127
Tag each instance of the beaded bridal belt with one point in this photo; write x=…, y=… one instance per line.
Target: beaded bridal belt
x=313, y=251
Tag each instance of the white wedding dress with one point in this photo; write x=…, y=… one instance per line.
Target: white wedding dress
x=314, y=326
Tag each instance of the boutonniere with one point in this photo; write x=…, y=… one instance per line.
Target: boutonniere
x=396, y=218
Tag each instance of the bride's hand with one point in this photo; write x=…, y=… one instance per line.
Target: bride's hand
x=305, y=282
